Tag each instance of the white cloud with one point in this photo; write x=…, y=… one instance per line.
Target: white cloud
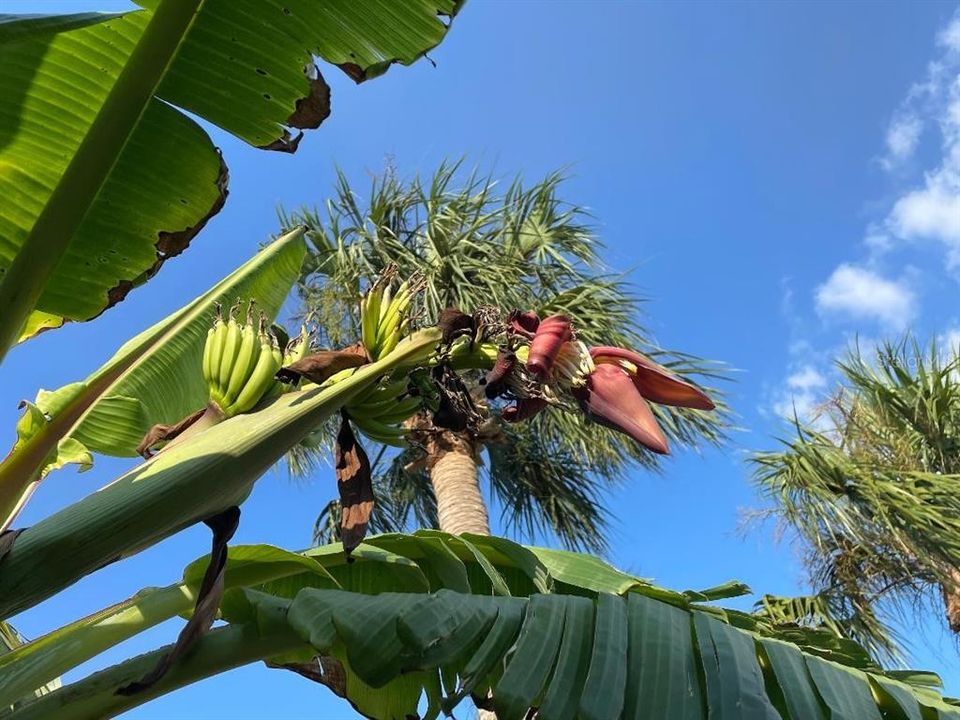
x=903, y=135
x=932, y=210
x=806, y=378
x=802, y=395
x=930, y=213
x=862, y=294
x=950, y=36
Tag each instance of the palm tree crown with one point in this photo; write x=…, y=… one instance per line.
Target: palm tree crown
x=872, y=487
x=475, y=245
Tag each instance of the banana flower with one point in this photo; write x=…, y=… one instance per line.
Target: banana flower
x=613, y=386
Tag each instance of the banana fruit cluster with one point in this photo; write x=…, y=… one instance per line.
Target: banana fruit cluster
x=384, y=314
x=241, y=360
x=379, y=412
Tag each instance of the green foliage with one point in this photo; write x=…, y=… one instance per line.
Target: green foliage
x=477, y=245
x=874, y=489
x=106, y=177
x=444, y=617
x=194, y=478
x=152, y=378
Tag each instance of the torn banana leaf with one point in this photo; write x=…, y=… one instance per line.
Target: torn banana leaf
x=104, y=175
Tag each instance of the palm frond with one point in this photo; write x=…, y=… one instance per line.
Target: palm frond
x=874, y=490
x=545, y=488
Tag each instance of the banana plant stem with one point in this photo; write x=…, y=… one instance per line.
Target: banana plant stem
x=219, y=650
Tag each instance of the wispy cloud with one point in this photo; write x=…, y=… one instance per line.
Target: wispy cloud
x=924, y=100
x=931, y=211
x=903, y=136
x=926, y=207
x=801, y=394
x=857, y=293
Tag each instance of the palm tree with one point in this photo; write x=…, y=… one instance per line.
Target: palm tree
x=522, y=247
x=872, y=488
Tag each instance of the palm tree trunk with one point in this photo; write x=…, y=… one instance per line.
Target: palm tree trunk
x=452, y=460
x=452, y=463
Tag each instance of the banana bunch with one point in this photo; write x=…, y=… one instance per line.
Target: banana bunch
x=378, y=412
x=241, y=360
x=384, y=314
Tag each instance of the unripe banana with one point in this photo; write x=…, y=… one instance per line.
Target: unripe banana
x=229, y=356
x=380, y=432
x=277, y=355
x=297, y=347
x=385, y=301
x=377, y=405
x=247, y=356
x=391, y=323
x=390, y=342
x=401, y=410
x=216, y=353
x=377, y=393
x=370, y=316
x=261, y=379
x=207, y=352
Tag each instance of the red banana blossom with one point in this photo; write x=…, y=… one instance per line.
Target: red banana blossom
x=613, y=392
x=611, y=399
x=552, y=333
x=654, y=381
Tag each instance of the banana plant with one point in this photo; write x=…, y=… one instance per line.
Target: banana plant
x=194, y=478
x=151, y=379
x=106, y=177
x=443, y=617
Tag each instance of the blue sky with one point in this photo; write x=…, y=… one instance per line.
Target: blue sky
x=779, y=177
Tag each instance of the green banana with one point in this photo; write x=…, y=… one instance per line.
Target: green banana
x=247, y=356
x=261, y=379
x=380, y=432
x=385, y=301
x=378, y=392
x=401, y=410
x=216, y=353
x=370, y=316
x=389, y=343
x=297, y=347
x=296, y=350
x=207, y=352
x=376, y=406
x=228, y=355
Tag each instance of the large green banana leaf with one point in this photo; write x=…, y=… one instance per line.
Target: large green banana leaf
x=104, y=177
x=185, y=483
x=441, y=617
x=152, y=378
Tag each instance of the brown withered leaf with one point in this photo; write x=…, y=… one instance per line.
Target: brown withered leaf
x=315, y=107
x=323, y=669
x=353, y=71
x=355, y=485
x=453, y=324
x=160, y=433
x=496, y=379
x=320, y=366
x=223, y=525
x=309, y=112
